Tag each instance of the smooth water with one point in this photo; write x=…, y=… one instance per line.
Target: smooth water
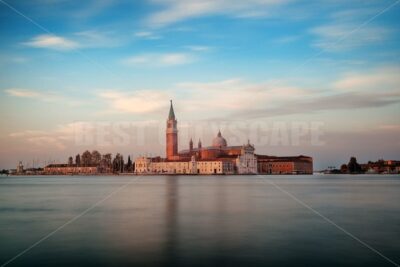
x=200, y=220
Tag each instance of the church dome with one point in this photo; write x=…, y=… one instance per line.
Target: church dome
x=219, y=141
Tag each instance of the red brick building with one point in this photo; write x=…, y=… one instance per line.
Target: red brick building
x=284, y=165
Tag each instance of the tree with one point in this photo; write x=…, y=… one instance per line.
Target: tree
x=118, y=163
x=105, y=163
x=343, y=168
x=78, y=160
x=95, y=157
x=86, y=158
x=129, y=165
x=353, y=166
x=108, y=158
x=70, y=161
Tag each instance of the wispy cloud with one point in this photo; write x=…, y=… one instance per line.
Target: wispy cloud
x=382, y=79
x=237, y=98
x=390, y=127
x=27, y=93
x=341, y=37
x=45, y=96
x=179, y=10
x=159, y=59
x=52, y=42
x=76, y=40
x=147, y=35
x=369, y=89
x=286, y=39
x=340, y=101
x=199, y=48
x=348, y=30
x=236, y=94
x=96, y=38
x=138, y=102
x=59, y=138
x=92, y=8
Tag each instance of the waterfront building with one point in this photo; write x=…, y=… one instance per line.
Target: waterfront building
x=145, y=165
x=379, y=167
x=246, y=162
x=66, y=169
x=218, y=158
x=284, y=165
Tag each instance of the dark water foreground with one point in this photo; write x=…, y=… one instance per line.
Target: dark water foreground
x=200, y=221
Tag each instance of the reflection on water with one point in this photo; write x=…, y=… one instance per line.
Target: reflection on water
x=200, y=221
x=171, y=217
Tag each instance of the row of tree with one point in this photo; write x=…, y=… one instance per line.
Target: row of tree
x=353, y=167
x=105, y=162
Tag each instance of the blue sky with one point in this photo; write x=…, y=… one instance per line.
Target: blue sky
x=333, y=62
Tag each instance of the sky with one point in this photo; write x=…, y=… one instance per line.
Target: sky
x=318, y=78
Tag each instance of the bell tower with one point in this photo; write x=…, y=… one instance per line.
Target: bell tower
x=172, y=135
x=191, y=145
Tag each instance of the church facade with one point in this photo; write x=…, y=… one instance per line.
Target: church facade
x=218, y=158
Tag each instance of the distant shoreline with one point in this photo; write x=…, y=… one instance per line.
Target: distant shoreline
x=169, y=174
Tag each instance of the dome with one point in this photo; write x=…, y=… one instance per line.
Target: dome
x=219, y=141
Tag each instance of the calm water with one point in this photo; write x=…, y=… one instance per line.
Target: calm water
x=200, y=221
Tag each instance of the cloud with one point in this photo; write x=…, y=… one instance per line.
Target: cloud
x=46, y=96
x=286, y=39
x=219, y=99
x=240, y=99
x=390, y=127
x=148, y=35
x=236, y=98
x=92, y=7
x=139, y=102
x=199, y=48
x=77, y=40
x=159, y=59
x=52, y=42
x=18, y=59
x=341, y=37
x=95, y=38
x=349, y=29
x=51, y=139
x=356, y=14
x=179, y=10
x=26, y=93
x=343, y=101
x=382, y=79
x=62, y=137
x=375, y=88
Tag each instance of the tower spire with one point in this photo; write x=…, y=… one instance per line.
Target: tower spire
x=171, y=115
x=172, y=135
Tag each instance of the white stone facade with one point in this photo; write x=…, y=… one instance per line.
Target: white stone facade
x=142, y=165
x=215, y=167
x=246, y=163
x=145, y=165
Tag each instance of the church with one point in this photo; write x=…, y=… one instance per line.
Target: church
x=218, y=158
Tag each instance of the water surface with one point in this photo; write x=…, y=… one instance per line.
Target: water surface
x=200, y=220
